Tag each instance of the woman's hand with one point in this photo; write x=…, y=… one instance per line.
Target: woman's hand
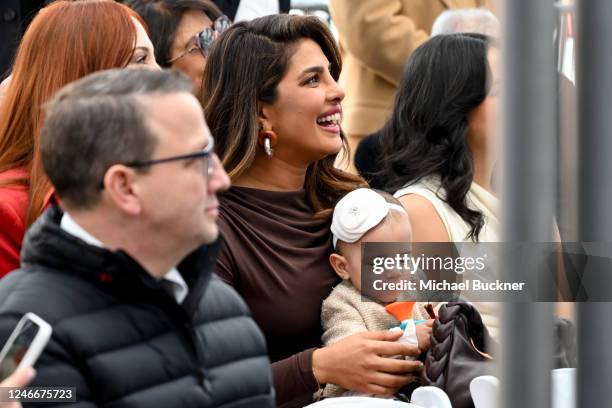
x=361, y=363
x=423, y=332
x=18, y=379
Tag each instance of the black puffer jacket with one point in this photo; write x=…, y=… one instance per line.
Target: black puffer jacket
x=122, y=340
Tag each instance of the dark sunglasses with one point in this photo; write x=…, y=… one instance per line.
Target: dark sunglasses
x=206, y=154
x=205, y=38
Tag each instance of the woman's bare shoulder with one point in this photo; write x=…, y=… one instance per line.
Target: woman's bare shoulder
x=427, y=226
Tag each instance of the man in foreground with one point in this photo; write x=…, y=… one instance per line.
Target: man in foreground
x=123, y=272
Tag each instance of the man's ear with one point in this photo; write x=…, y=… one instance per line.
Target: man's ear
x=119, y=187
x=340, y=265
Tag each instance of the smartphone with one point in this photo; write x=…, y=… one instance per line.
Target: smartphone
x=25, y=344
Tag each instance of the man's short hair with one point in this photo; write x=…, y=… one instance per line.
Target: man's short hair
x=467, y=20
x=98, y=121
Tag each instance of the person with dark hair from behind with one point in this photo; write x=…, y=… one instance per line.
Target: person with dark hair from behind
x=437, y=146
x=368, y=154
x=182, y=32
x=244, y=10
x=272, y=101
x=376, y=39
x=123, y=272
x=438, y=134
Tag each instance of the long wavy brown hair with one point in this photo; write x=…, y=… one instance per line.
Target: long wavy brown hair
x=65, y=41
x=243, y=70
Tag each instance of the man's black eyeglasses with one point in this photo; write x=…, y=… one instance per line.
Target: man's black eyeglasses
x=204, y=154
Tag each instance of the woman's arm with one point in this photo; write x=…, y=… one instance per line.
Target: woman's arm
x=355, y=363
x=360, y=363
x=352, y=359
x=293, y=377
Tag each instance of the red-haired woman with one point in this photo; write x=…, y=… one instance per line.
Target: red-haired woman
x=66, y=41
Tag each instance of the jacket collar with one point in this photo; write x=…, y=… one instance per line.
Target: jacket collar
x=48, y=246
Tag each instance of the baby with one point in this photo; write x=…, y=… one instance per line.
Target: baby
x=364, y=215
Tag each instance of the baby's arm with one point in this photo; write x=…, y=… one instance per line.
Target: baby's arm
x=423, y=332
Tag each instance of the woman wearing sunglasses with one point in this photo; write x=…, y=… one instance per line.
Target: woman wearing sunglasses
x=182, y=32
x=66, y=41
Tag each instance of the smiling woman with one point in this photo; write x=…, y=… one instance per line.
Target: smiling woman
x=272, y=100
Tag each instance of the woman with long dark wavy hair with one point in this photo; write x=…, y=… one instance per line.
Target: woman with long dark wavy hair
x=272, y=101
x=437, y=145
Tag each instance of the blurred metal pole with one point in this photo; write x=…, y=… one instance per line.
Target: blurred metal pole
x=567, y=165
x=594, y=80
x=528, y=191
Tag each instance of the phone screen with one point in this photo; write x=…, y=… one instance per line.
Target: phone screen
x=18, y=349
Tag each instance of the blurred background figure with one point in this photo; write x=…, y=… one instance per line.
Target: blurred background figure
x=318, y=8
x=66, y=41
x=15, y=16
x=438, y=150
x=473, y=20
x=376, y=39
x=245, y=10
x=182, y=32
x=568, y=191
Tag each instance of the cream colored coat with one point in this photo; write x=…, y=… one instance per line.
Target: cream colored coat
x=376, y=39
